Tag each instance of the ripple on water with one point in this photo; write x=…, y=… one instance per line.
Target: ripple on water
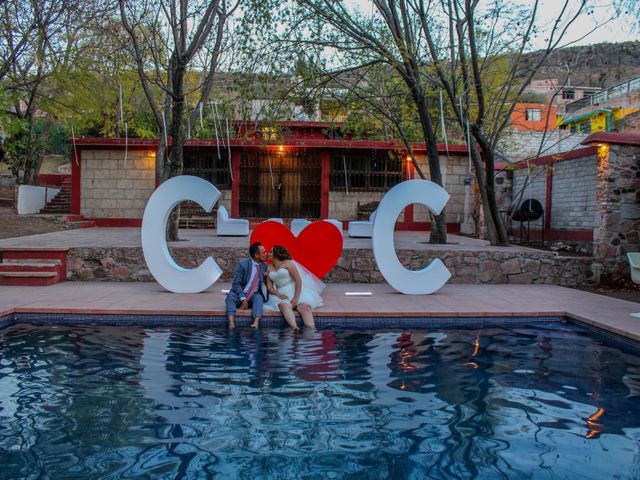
x=100, y=402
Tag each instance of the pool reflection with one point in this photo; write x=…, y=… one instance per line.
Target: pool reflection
x=184, y=403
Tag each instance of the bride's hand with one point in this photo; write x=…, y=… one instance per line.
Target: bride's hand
x=282, y=296
x=294, y=302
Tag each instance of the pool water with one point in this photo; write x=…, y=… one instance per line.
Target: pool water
x=538, y=401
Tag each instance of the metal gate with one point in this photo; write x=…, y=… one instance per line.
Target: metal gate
x=274, y=184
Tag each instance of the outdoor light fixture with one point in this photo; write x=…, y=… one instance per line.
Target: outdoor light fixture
x=280, y=148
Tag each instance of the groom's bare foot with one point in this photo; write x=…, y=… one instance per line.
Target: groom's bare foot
x=256, y=323
x=232, y=323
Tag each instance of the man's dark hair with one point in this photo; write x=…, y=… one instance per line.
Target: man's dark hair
x=254, y=248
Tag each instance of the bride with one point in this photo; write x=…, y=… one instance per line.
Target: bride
x=292, y=287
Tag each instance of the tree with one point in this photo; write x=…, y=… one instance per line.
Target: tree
x=473, y=45
x=386, y=36
x=37, y=39
x=169, y=37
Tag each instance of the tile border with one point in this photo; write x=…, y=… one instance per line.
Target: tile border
x=40, y=317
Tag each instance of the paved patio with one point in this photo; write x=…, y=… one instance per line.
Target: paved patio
x=450, y=301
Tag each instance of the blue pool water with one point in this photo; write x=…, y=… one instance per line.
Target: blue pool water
x=539, y=401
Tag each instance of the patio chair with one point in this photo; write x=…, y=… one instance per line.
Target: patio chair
x=231, y=227
x=335, y=223
x=362, y=228
x=279, y=220
x=298, y=224
x=634, y=266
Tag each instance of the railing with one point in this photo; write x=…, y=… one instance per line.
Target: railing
x=605, y=95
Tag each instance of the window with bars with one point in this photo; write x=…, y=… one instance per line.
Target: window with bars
x=205, y=163
x=366, y=171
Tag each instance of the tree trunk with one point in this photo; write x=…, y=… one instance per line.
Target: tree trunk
x=498, y=234
x=438, y=225
x=176, y=155
x=478, y=168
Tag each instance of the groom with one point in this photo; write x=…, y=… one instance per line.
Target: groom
x=247, y=286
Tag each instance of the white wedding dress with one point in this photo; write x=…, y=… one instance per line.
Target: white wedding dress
x=284, y=283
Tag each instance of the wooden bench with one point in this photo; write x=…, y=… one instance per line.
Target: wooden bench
x=193, y=215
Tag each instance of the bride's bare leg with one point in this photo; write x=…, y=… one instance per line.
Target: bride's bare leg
x=289, y=316
x=307, y=316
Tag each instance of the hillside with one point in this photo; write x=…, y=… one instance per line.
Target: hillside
x=599, y=65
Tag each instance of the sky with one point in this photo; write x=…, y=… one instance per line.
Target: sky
x=610, y=28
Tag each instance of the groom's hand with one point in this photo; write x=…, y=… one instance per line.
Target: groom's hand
x=244, y=305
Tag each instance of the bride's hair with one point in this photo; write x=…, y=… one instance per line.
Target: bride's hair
x=280, y=252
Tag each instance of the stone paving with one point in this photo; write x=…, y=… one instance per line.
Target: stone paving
x=450, y=301
x=130, y=237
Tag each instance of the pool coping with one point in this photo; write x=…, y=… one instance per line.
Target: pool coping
x=464, y=303
x=359, y=320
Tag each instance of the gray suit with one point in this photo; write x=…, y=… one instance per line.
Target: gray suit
x=241, y=277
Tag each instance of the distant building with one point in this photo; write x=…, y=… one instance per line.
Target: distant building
x=550, y=87
x=537, y=117
x=603, y=111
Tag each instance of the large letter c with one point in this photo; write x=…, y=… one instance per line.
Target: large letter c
x=161, y=264
x=434, y=275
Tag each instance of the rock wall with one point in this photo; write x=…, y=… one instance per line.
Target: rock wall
x=354, y=266
x=617, y=223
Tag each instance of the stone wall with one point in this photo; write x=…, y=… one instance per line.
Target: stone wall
x=354, y=266
x=519, y=145
x=454, y=172
x=617, y=222
x=111, y=189
x=574, y=195
x=343, y=206
x=528, y=184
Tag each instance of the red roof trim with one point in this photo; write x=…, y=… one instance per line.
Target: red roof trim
x=152, y=144
x=612, y=138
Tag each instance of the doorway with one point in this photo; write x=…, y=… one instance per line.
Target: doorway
x=280, y=184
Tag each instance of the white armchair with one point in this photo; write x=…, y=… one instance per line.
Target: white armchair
x=230, y=227
x=634, y=266
x=335, y=223
x=298, y=224
x=362, y=228
x=279, y=220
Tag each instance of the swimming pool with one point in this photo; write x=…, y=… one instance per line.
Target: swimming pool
x=542, y=400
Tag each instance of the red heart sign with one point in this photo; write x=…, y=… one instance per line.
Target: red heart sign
x=318, y=247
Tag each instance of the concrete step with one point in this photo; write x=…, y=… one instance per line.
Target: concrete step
x=30, y=279
x=30, y=266
x=56, y=206
x=38, y=254
x=84, y=223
